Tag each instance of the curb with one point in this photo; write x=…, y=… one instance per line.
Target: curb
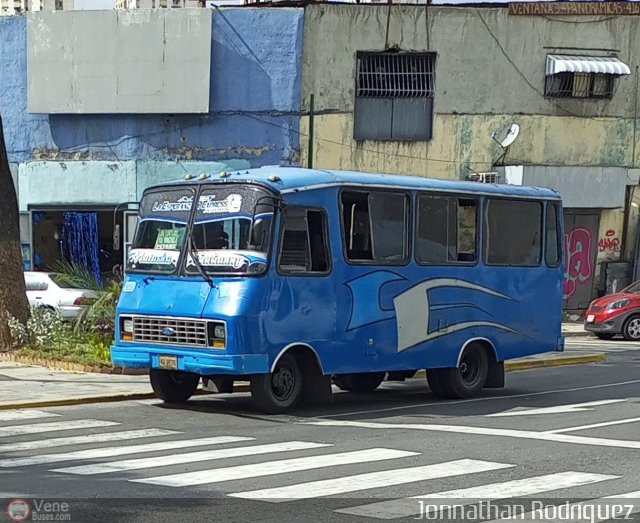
x=554, y=362
x=77, y=401
x=577, y=334
x=84, y=400
x=539, y=363
x=69, y=365
x=510, y=366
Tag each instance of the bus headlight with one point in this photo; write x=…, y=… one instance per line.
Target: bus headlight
x=217, y=333
x=126, y=328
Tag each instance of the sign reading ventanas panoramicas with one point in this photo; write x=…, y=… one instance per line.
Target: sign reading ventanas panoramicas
x=574, y=8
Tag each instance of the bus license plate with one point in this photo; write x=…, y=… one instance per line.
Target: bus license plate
x=169, y=362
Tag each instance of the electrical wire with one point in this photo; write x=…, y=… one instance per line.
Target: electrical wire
x=524, y=77
x=358, y=148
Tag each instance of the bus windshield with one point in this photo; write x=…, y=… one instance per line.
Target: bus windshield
x=222, y=233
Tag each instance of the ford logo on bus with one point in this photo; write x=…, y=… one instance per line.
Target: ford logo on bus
x=168, y=331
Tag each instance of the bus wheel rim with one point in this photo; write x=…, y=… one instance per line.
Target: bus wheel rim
x=469, y=369
x=283, y=383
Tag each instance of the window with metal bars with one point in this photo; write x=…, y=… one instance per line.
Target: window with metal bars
x=394, y=96
x=580, y=85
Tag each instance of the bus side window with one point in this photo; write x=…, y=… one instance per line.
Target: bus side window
x=447, y=230
x=552, y=236
x=355, y=219
x=375, y=226
x=513, y=232
x=304, y=246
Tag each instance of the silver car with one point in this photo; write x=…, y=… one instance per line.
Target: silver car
x=51, y=290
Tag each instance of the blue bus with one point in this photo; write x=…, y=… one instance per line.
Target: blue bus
x=296, y=279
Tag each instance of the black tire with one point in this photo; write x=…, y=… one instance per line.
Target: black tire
x=435, y=383
x=631, y=329
x=467, y=379
x=360, y=382
x=173, y=386
x=604, y=335
x=280, y=391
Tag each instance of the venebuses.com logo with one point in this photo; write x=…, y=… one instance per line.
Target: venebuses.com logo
x=18, y=510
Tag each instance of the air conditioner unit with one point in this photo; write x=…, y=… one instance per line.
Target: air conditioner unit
x=488, y=177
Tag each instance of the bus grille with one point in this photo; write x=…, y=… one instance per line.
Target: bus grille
x=170, y=331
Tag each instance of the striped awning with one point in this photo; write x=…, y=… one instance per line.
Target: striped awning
x=585, y=64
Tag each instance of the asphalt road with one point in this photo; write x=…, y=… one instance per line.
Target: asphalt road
x=552, y=436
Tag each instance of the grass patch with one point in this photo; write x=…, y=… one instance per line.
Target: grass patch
x=45, y=335
x=92, y=352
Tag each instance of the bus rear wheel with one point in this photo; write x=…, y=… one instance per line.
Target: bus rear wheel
x=463, y=381
x=280, y=390
x=361, y=382
x=173, y=386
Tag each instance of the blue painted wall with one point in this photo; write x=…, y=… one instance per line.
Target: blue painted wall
x=255, y=102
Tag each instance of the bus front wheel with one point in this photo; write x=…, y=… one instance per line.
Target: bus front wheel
x=173, y=386
x=361, y=382
x=463, y=381
x=280, y=390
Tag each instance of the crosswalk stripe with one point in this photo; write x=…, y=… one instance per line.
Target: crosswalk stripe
x=19, y=415
x=191, y=457
x=408, y=507
x=87, y=438
x=270, y=468
x=107, y=452
x=36, y=428
x=601, y=512
x=328, y=487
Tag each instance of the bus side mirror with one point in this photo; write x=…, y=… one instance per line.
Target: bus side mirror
x=116, y=237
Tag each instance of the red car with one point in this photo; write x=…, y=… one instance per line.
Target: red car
x=617, y=313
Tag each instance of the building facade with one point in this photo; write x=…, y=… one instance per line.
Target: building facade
x=525, y=94
x=98, y=105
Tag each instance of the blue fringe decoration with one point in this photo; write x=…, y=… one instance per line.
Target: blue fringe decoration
x=80, y=241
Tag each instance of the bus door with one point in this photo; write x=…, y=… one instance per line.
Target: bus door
x=306, y=306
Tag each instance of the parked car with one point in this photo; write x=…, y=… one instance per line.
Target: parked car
x=46, y=289
x=617, y=313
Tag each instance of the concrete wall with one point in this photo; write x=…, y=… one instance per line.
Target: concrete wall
x=581, y=187
x=140, y=61
x=254, y=101
x=490, y=72
x=87, y=183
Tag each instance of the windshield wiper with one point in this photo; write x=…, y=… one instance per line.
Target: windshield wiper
x=193, y=252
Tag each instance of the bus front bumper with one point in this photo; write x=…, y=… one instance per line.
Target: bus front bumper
x=206, y=362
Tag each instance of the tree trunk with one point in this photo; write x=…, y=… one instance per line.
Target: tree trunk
x=13, y=293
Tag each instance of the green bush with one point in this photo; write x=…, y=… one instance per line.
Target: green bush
x=46, y=335
x=85, y=341
x=43, y=329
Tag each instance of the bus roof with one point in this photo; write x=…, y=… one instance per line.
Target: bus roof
x=294, y=179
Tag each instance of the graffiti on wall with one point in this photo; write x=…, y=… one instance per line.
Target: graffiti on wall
x=578, y=264
x=610, y=243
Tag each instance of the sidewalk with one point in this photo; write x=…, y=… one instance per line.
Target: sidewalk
x=30, y=386
x=571, y=330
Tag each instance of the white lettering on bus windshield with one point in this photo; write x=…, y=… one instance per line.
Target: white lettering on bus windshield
x=217, y=259
x=206, y=204
x=209, y=205
x=183, y=204
x=153, y=257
